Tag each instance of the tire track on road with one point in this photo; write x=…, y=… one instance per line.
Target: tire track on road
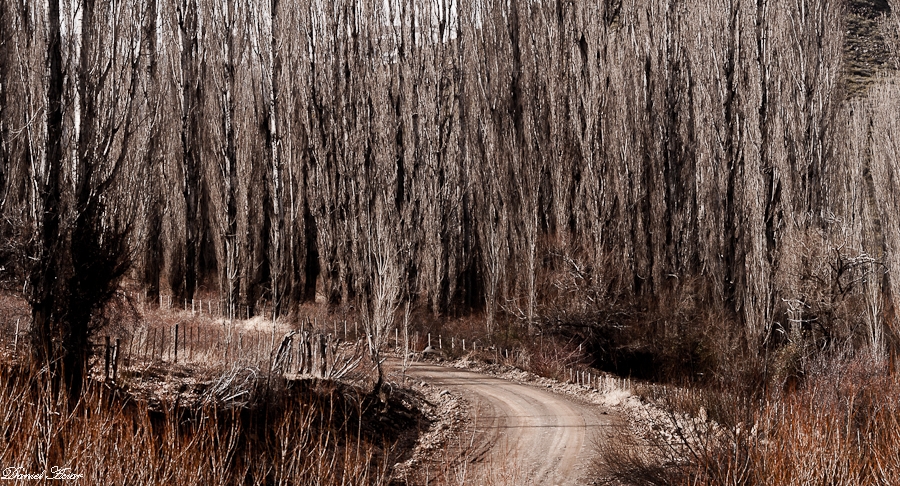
x=544, y=438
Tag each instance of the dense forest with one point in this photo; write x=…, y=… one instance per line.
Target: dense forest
x=531, y=162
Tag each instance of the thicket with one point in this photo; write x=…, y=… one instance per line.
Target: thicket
x=317, y=433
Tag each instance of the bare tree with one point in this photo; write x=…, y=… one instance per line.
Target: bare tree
x=873, y=140
x=5, y=76
x=80, y=243
x=659, y=148
x=187, y=77
x=226, y=39
x=153, y=176
x=270, y=47
x=385, y=274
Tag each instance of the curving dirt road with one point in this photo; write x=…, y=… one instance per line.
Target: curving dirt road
x=519, y=434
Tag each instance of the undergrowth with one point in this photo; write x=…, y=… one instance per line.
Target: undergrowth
x=304, y=432
x=840, y=426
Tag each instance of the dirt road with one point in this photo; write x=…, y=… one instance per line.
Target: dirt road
x=519, y=434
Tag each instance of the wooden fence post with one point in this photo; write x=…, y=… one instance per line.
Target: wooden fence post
x=329, y=353
x=322, y=357
x=162, y=344
x=304, y=353
x=116, y=360
x=314, y=353
x=176, y=335
x=301, y=353
x=106, y=361
x=130, y=349
x=145, y=343
x=301, y=350
x=16, y=344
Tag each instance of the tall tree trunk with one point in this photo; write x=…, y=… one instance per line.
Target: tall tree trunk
x=47, y=271
x=152, y=258
x=276, y=181
x=186, y=285
x=5, y=77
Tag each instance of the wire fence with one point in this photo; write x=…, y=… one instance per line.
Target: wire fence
x=317, y=348
x=309, y=351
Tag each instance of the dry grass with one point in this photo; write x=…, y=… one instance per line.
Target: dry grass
x=210, y=347
x=299, y=436
x=217, y=416
x=551, y=357
x=840, y=426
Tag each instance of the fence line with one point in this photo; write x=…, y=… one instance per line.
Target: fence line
x=321, y=351
x=313, y=350
x=210, y=307
x=310, y=353
x=602, y=382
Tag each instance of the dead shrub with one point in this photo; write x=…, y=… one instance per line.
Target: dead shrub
x=553, y=357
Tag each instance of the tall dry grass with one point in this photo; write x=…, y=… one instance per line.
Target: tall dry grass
x=312, y=434
x=839, y=426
